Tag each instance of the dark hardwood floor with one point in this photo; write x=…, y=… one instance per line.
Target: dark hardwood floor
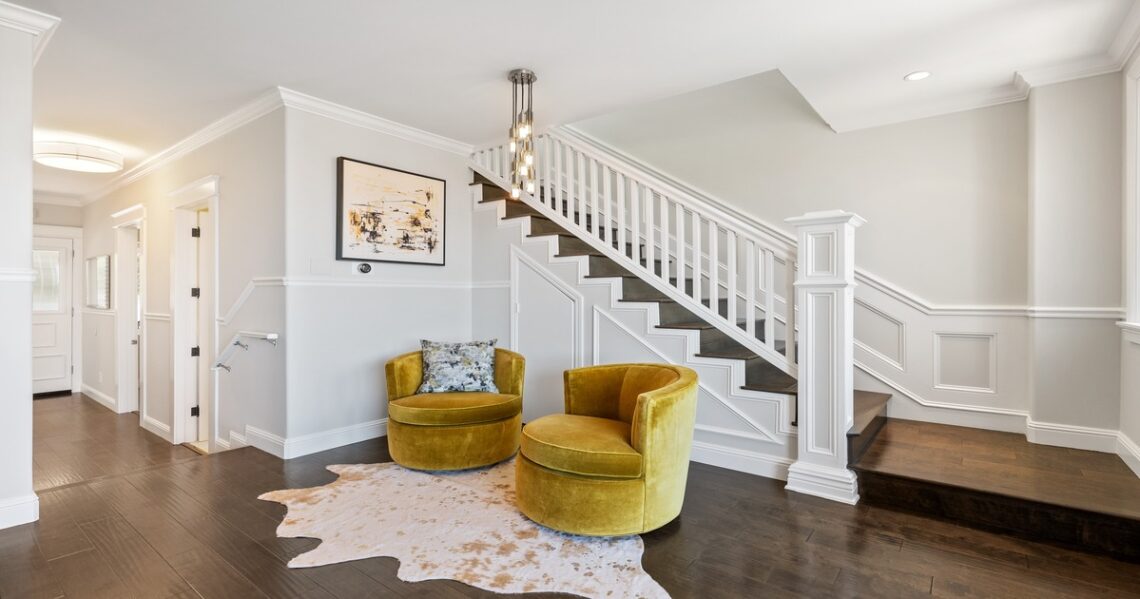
x=193, y=527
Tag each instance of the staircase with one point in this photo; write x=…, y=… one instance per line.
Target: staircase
x=761, y=374
x=733, y=286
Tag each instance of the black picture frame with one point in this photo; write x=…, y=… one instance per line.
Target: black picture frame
x=394, y=254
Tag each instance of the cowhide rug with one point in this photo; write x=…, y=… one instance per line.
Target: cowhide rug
x=462, y=526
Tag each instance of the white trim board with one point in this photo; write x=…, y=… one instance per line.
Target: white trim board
x=40, y=25
x=1072, y=436
x=1128, y=451
x=740, y=460
x=158, y=428
x=295, y=447
x=19, y=510
x=102, y=398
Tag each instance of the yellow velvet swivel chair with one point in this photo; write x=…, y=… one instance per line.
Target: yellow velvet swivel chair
x=617, y=461
x=458, y=430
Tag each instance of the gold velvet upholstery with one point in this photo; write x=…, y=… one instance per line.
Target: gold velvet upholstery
x=617, y=461
x=453, y=431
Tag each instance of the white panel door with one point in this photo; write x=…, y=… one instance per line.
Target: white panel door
x=545, y=326
x=51, y=315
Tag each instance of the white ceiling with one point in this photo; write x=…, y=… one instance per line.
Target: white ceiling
x=142, y=74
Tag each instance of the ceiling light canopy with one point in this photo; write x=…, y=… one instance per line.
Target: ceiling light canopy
x=522, y=131
x=85, y=158
x=917, y=76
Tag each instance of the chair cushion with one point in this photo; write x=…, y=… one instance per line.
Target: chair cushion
x=444, y=409
x=581, y=445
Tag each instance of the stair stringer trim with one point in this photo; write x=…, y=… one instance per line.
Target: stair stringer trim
x=771, y=463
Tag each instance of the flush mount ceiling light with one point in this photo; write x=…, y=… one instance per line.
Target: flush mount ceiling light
x=522, y=131
x=84, y=158
x=917, y=76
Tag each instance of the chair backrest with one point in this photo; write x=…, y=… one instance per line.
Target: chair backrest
x=638, y=379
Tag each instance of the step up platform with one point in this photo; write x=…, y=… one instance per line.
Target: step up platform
x=999, y=481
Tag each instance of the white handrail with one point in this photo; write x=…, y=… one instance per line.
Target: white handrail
x=707, y=260
x=235, y=342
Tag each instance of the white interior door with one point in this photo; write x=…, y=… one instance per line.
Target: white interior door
x=127, y=315
x=205, y=327
x=51, y=315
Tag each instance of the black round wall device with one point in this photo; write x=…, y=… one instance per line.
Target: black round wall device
x=365, y=268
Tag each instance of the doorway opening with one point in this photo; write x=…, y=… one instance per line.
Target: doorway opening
x=193, y=305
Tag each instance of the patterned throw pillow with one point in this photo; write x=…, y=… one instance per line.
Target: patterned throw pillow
x=459, y=366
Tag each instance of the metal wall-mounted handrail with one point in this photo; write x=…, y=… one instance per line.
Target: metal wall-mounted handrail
x=236, y=342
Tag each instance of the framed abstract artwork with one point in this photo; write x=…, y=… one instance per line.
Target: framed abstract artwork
x=388, y=215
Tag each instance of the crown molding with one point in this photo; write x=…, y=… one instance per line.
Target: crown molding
x=259, y=107
x=40, y=25
x=58, y=200
x=351, y=116
x=264, y=104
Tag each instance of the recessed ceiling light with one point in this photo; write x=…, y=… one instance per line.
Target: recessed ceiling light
x=917, y=76
x=84, y=158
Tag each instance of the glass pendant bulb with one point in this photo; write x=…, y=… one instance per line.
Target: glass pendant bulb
x=529, y=159
x=530, y=186
x=514, y=146
x=515, y=192
x=522, y=171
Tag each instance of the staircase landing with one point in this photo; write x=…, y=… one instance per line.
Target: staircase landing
x=1002, y=482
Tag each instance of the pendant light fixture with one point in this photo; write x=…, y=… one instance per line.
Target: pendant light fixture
x=522, y=131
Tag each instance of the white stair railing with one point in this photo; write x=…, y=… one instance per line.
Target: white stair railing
x=734, y=275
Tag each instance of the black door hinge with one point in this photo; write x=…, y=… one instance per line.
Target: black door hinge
x=195, y=292
x=195, y=351
x=196, y=232
x=194, y=411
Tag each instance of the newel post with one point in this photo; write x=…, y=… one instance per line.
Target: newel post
x=825, y=301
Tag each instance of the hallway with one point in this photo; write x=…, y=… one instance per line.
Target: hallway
x=77, y=440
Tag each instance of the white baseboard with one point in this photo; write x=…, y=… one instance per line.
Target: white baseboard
x=265, y=441
x=19, y=510
x=296, y=447
x=836, y=484
x=106, y=400
x=1072, y=436
x=740, y=460
x=159, y=428
x=1128, y=451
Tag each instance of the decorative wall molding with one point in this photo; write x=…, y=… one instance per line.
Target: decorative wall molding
x=102, y=398
x=900, y=361
x=1128, y=451
x=761, y=433
x=363, y=281
x=519, y=258
x=242, y=297
x=17, y=275
x=40, y=25
x=917, y=398
x=991, y=361
x=364, y=120
x=57, y=200
x=1068, y=435
x=19, y=510
x=265, y=441
x=159, y=316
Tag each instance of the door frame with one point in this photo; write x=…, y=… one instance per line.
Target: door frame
x=185, y=202
x=75, y=234
x=133, y=218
